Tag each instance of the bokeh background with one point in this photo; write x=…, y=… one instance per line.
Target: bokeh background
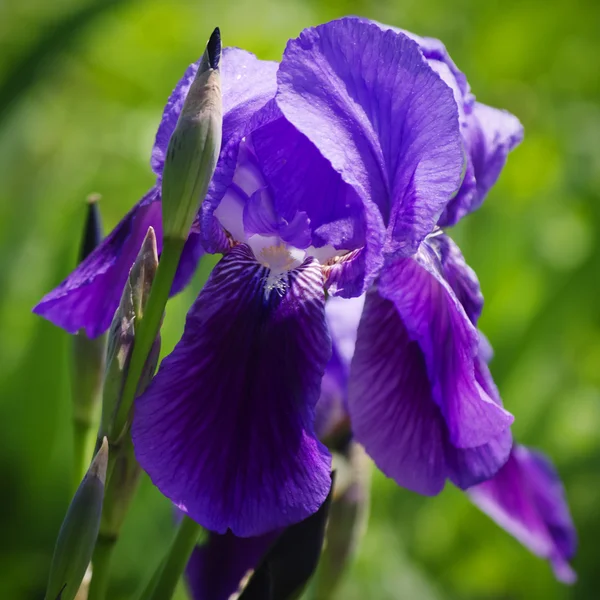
x=82, y=86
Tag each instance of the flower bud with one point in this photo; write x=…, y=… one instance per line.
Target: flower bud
x=122, y=333
x=78, y=532
x=88, y=363
x=194, y=146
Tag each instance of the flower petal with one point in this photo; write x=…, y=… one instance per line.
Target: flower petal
x=436, y=320
x=527, y=499
x=88, y=297
x=216, y=569
x=343, y=316
x=460, y=277
x=225, y=429
x=392, y=412
x=490, y=134
x=369, y=102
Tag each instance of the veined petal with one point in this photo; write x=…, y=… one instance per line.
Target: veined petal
x=436, y=320
x=216, y=569
x=527, y=499
x=225, y=430
x=460, y=277
x=392, y=412
x=368, y=100
x=88, y=297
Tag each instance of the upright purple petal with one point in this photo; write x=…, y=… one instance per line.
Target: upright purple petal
x=225, y=430
x=88, y=297
x=489, y=135
x=394, y=414
x=436, y=320
x=368, y=100
x=527, y=499
x=217, y=568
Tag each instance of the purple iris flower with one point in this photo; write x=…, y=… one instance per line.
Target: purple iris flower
x=88, y=297
x=337, y=182
x=526, y=497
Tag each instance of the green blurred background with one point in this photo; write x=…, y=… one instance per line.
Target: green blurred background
x=82, y=86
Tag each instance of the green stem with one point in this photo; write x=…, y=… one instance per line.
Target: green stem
x=84, y=441
x=173, y=565
x=148, y=329
x=101, y=559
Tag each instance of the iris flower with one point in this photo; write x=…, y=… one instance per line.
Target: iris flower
x=336, y=169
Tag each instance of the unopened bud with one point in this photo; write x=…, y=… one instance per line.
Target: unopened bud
x=88, y=362
x=194, y=146
x=121, y=334
x=78, y=532
x=143, y=272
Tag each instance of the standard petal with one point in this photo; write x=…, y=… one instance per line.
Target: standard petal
x=368, y=100
x=527, y=499
x=389, y=398
x=489, y=134
x=217, y=568
x=225, y=429
x=88, y=297
x=436, y=320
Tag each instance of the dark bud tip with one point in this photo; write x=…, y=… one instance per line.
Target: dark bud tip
x=92, y=233
x=213, y=49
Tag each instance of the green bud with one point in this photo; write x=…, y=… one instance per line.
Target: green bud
x=194, y=146
x=121, y=334
x=78, y=532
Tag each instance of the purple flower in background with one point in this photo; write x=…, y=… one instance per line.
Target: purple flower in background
x=527, y=499
x=348, y=166
x=88, y=297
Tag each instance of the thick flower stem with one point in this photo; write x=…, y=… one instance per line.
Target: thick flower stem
x=162, y=587
x=148, y=329
x=101, y=559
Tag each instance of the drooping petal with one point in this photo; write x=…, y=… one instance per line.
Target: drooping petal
x=527, y=499
x=225, y=429
x=88, y=297
x=395, y=417
x=389, y=398
x=368, y=100
x=436, y=320
x=217, y=568
x=460, y=277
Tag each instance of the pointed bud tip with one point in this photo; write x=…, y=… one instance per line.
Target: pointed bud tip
x=98, y=467
x=93, y=198
x=149, y=243
x=92, y=232
x=213, y=49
